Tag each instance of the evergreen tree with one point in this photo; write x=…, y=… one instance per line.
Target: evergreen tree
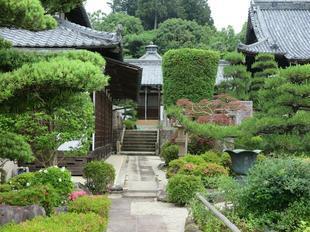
x=237, y=78
x=284, y=123
x=264, y=67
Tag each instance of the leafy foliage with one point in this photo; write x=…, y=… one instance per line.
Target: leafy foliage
x=134, y=44
x=53, y=6
x=59, y=178
x=178, y=33
x=99, y=175
x=45, y=196
x=154, y=12
x=169, y=152
x=14, y=147
x=284, y=184
x=22, y=181
x=25, y=14
x=182, y=188
x=188, y=69
x=63, y=222
x=130, y=24
x=208, y=167
x=45, y=98
x=95, y=204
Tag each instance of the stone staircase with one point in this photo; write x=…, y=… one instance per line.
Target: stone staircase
x=140, y=142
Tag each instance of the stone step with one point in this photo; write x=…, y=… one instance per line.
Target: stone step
x=140, y=194
x=138, y=143
x=140, y=136
x=139, y=153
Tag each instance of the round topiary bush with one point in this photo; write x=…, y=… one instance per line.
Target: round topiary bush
x=170, y=152
x=99, y=175
x=182, y=188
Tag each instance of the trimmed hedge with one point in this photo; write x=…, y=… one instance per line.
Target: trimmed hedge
x=72, y=222
x=189, y=73
x=169, y=152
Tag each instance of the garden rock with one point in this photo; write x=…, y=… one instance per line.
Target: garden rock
x=19, y=214
x=162, y=196
x=61, y=209
x=116, y=188
x=190, y=225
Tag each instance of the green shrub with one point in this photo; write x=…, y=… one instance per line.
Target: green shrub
x=182, y=188
x=174, y=167
x=208, y=172
x=223, y=159
x=186, y=70
x=129, y=124
x=45, y=196
x=95, y=204
x=72, y=222
x=5, y=188
x=59, y=178
x=99, y=175
x=170, y=152
x=276, y=189
x=23, y=180
x=198, y=145
x=234, y=58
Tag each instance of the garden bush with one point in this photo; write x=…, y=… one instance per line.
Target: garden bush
x=276, y=189
x=198, y=145
x=99, y=175
x=45, y=196
x=95, y=204
x=223, y=159
x=72, y=222
x=5, y=188
x=129, y=124
x=186, y=70
x=59, y=178
x=23, y=180
x=182, y=188
x=208, y=172
x=169, y=152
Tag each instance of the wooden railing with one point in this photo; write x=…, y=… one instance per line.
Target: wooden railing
x=217, y=213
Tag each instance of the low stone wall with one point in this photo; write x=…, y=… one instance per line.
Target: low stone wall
x=19, y=214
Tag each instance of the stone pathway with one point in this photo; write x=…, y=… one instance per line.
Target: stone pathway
x=137, y=210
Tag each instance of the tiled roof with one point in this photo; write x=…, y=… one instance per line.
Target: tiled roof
x=151, y=63
x=281, y=27
x=66, y=35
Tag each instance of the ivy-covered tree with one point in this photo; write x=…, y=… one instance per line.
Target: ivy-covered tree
x=264, y=67
x=284, y=123
x=237, y=78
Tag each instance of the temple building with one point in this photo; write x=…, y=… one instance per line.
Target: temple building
x=280, y=27
x=150, y=95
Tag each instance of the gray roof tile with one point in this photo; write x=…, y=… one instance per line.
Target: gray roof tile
x=281, y=29
x=151, y=63
x=66, y=35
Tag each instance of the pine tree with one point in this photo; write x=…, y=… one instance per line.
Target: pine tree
x=264, y=67
x=237, y=78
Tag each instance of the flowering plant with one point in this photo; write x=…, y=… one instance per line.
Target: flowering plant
x=73, y=196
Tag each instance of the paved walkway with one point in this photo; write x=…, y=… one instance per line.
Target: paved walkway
x=137, y=209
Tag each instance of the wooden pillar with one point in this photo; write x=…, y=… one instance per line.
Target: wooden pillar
x=159, y=102
x=145, y=103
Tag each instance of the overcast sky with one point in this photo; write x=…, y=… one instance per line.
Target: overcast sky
x=224, y=12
